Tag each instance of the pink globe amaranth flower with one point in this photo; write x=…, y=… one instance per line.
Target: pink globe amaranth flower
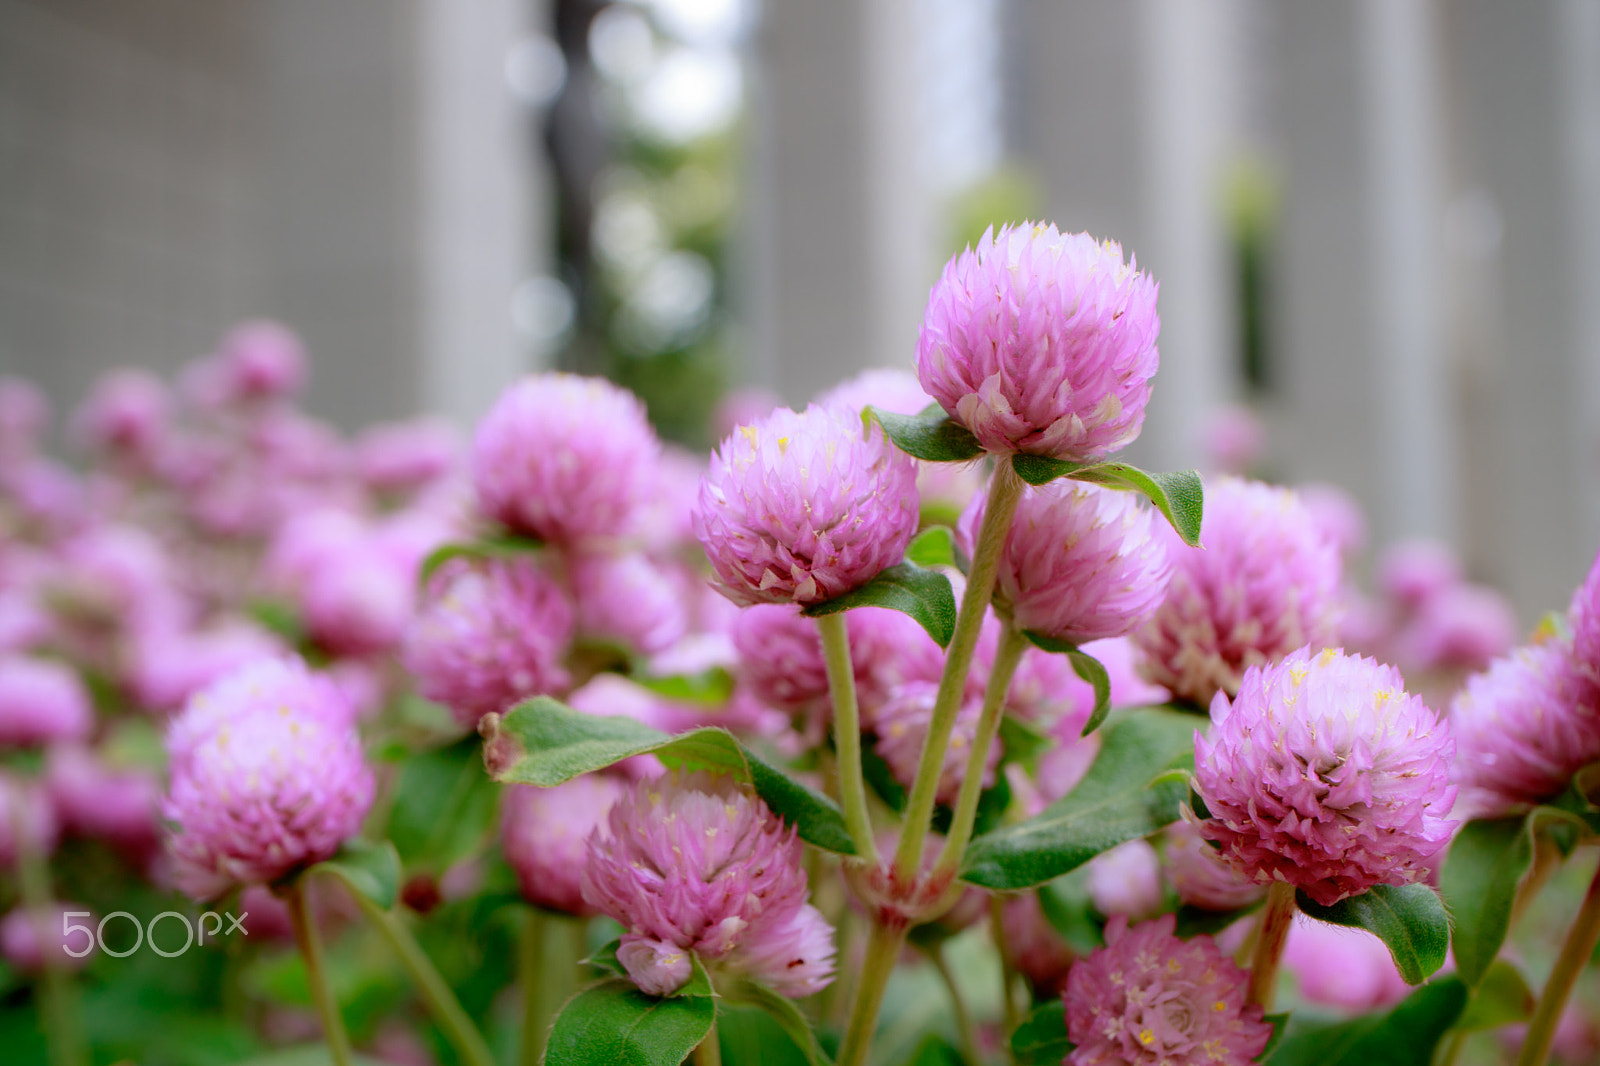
x=119, y=574
x=1583, y=615
x=404, y=456
x=627, y=599
x=695, y=864
x=120, y=807
x=260, y=359
x=1199, y=873
x=359, y=603
x=24, y=418
x=1524, y=727
x=565, y=459
x=802, y=508
x=1324, y=773
x=885, y=388
x=1337, y=514
x=1265, y=583
x=1042, y=343
x=1126, y=880
x=742, y=406
x=1037, y=950
x=169, y=667
x=22, y=801
x=544, y=834
x=31, y=940
x=1081, y=562
x=1411, y=571
x=263, y=781
x=1463, y=627
x=1233, y=439
x=1342, y=967
x=901, y=724
x=1150, y=999
x=41, y=702
x=491, y=633
x=126, y=416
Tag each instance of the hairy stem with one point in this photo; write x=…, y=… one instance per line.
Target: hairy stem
x=709, y=1053
x=1008, y=964
x=1006, y=657
x=441, y=1001
x=883, y=951
x=57, y=1004
x=964, y=1031
x=1271, y=935
x=305, y=935
x=847, y=733
x=1005, y=489
x=1575, y=954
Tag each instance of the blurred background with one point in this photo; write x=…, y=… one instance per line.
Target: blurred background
x=1376, y=222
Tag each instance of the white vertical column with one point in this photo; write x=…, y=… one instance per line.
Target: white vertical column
x=1577, y=25
x=1413, y=389
x=1188, y=135
x=479, y=175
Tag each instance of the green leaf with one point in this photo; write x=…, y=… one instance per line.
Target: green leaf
x=1022, y=741
x=1130, y=791
x=1405, y=1036
x=605, y=959
x=1041, y=1038
x=543, y=742
x=614, y=1023
x=499, y=546
x=912, y=590
x=1501, y=998
x=710, y=687
x=1177, y=495
x=934, y=546
x=935, y=1050
x=1071, y=912
x=783, y=1011
x=699, y=983
x=1409, y=919
x=1280, y=1026
x=1087, y=667
x=931, y=436
x=1486, y=862
x=444, y=808
x=370, y=869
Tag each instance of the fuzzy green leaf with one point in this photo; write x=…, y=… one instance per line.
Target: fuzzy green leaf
x=783, y=1011
x=1405, y=1036
x=614, y=1023
x=501, y=546
x=916, y=591
x=1487, y=861
x=931, y=436
x=1177, y=495
x=1409, y=919
x=1041, y=1038
x=934, y=546
x=1087, y=667
x=371, y=869
x=544, y=742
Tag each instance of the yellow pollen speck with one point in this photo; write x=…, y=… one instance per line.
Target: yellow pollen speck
x=1174, y=965
x=1326, y=657
x=1298, y=673
x=1219, y=1005
x=1147, y=1036
x=783, y=445
x=749, y=434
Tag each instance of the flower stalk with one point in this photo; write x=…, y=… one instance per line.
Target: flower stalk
x=305, y=936
x=1271, y=935
x=57, y=1008
x=883, y=951
x=847, y=733
x=1575, y=954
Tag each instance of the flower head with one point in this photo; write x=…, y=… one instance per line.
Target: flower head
x=260, y=359
x=629, y=600
x=544, y=833
x=1042, y=342
x=696, y=864
x=1323, y=772
x=41, y=701
x=565, y=458
x=491, y=633
x=267, y=776
x=1150, y=999
x=801, y=508
x=902, y=727
x=1265, y=583
x=1342, y=967
x=1524, y=727
x=1081, y=562
x=1584, y=617
x=1200, y=875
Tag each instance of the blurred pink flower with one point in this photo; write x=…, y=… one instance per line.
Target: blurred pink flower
x=41, y=702
x=544, y=834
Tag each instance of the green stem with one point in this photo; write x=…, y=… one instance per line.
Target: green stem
x=1450, y=1050
x=1575, y=954
x=883, y=951
x=57, y=1004
x=1005, y=489
x=1006, y=658
x=530, y=968
x=1271, y=935
x=442, y=1002
x=305, y=935
x=847, y=733
x=1008, y=964
x=958, y=1005
x=709, y=1053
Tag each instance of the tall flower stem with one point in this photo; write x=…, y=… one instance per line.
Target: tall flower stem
x=442, y=1002
x=1006, y=657
x=958, y=1005
x=883, y=950
x=847, y=733
x=305, y=935
x=1271, y=935
x=57, y=1005
x=709, y=1052
x=1005, y=489
x=1008, y=961
x=1575, y=954
x=530, y=973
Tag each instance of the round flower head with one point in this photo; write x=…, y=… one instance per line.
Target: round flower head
x=94, y=800
x=1265, y=583
x=1150, y=999
x=263, y=782
x=543, y=832
x=1126, y=880
x=1342, y=967
x=801, y=508
x=695, y=864
x=1524, y=727
x=406, y=455
x=1584, y=617
x=1042, y=342
x=260, y=359
x=125, y=415
x=1324, y=773
x=627, y=600
x=1200, y=875
x=40, y=702
x=902, y=726
x=491, y=633
x=565, y=458
x=1039, y=953
x=30, y=940
x=1081, y=562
